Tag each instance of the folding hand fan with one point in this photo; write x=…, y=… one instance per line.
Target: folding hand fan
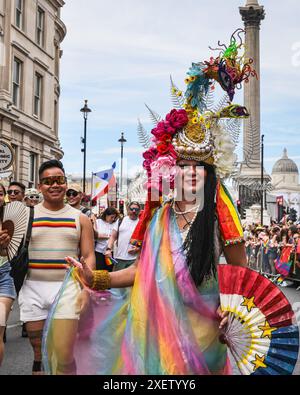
x=262, y=332
x=15, y=220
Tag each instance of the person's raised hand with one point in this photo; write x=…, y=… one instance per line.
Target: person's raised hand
x=4, y=238
x=108, y=253
x=223, y=315
x=133, y=250
x=83, y=270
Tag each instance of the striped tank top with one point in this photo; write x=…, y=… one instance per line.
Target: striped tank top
x=55, y=235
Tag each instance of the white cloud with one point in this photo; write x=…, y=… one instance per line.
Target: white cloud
x=133, y=170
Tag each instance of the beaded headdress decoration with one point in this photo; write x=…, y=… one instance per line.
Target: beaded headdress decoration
x=195, y=129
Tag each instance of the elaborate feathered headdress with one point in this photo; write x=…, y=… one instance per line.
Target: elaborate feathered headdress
x=194, y=129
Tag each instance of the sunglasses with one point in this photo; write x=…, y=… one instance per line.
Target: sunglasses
x=33, y=197
x=72, y=193
x=134, y=209
x=51, y=180
x=13, y=192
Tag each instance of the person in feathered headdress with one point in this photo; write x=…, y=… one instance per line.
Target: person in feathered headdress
x=170, y=322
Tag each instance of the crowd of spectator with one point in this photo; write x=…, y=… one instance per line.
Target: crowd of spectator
x=265, y=245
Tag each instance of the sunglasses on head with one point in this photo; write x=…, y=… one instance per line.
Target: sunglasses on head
x=51, y=180
x=13, y=192
x=71, y=193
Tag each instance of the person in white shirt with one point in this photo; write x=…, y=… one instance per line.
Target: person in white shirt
x=103, y=228
x=125, y=253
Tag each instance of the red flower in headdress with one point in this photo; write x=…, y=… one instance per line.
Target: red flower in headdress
x=177, y=118
x=162, y=128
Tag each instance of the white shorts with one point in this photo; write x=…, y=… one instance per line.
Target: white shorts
x=37, y=297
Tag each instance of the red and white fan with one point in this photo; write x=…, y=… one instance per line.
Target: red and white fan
x=15, y=221
x=262, y=332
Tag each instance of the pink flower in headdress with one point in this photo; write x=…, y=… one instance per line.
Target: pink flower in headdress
x=162, y=169
x=177, y=118
x=160, y=161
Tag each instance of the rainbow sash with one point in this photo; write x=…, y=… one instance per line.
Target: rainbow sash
x=229, y=221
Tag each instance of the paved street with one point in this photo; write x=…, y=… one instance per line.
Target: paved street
x=18, y=354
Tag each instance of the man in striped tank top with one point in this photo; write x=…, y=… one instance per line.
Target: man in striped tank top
x=58, y=230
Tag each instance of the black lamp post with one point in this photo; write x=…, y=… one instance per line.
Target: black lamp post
x=262, y=181
x=85, y=110
x=122, y=140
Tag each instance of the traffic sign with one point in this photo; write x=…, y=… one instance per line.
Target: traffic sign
x=6, y=156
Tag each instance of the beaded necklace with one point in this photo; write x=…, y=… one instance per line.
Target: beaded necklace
x=184, y=232
x=187, y=211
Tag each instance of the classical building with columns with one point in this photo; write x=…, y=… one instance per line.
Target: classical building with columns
x=285, y=181
x=31, y=32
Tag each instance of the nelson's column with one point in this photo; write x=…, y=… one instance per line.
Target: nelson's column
x=249, y=178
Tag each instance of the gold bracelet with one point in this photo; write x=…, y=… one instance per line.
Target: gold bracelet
x=101, y=280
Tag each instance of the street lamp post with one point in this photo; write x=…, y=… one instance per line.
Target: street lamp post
x=85, y=110
x=262, y=181
x=122, y=140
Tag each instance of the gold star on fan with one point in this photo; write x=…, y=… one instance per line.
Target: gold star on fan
x=249, y=303
x=259, y=362
x=267, y=330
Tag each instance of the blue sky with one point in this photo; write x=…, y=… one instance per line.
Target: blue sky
x=120, y=54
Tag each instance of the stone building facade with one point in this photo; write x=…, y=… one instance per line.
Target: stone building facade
x=31, y=32
x=285, y=180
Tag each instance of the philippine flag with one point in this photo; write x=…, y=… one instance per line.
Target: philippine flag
x=102, y=181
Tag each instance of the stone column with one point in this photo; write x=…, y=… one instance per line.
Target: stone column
x=252, y=15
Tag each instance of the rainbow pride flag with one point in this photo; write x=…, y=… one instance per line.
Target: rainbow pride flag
x=110, y=261
x=283, y=263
